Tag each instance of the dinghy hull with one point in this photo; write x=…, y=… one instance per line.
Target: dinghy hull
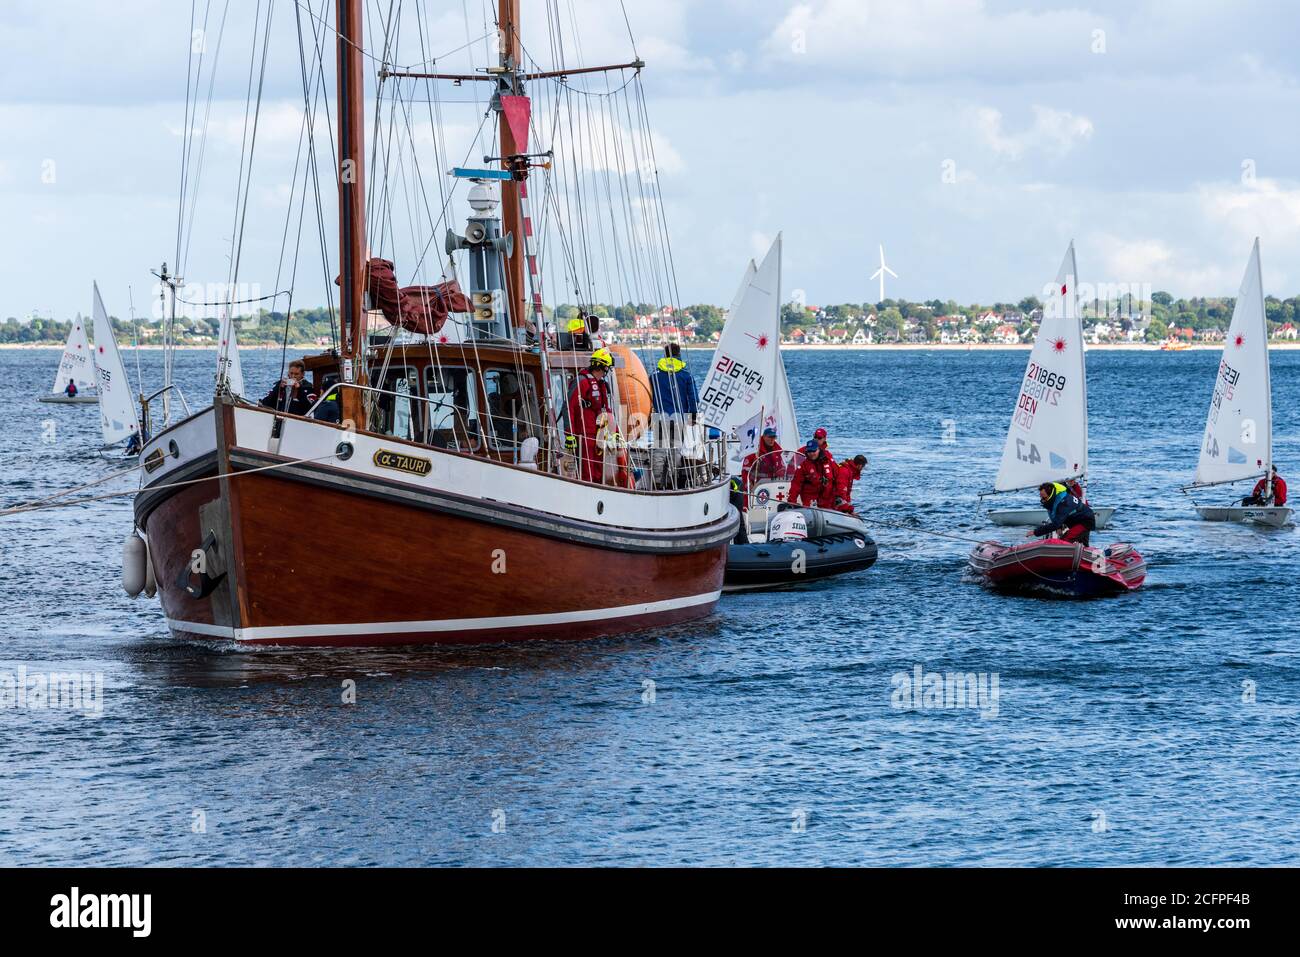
x=1274, y=516
x=1029, y=517
x=1056, y=567
x=64, y=400
x=785, y=564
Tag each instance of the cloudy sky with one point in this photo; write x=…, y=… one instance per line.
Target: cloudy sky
x=973, y=138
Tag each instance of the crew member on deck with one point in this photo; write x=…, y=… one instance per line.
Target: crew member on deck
x=587, y=402
x=70, y=390
x=849, y=472
x=290, y=394
x=765, y=463
x=1065, y=512
x=814, y=480
x=1263, y=495
x=820, y=438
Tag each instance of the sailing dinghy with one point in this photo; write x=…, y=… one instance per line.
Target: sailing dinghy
x=745, y=392
x=1238, y=441
x=117, y=416
x=1047, y=440
x=75, y=366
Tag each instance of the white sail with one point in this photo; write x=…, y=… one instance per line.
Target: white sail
x=228, y=366
x=117, y=415
x=1238, y=439
x=786, y=425
x=1048, y=437
x=76, y=364
x=746, y=375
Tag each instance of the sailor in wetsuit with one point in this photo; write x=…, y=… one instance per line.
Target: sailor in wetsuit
x=1068, y=517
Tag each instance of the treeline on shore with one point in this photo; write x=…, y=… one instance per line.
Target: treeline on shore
x=892, y=319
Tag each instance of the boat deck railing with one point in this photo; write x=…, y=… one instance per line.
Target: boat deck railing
x=651, y=466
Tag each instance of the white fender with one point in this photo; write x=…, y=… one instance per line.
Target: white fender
x=133, y=563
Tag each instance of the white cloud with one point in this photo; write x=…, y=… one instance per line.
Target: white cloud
x=927, y=39
x=1053, y=132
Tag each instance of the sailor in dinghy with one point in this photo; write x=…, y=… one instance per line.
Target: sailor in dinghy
x=1238, y=441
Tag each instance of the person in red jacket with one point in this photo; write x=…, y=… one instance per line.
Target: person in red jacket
x=1261, y=495
x=587, y=402
x=849, y=472
x=814, y=480
x=766, y=463
x=820, y=438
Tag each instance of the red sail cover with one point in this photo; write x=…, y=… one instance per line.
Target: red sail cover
x=422, y=309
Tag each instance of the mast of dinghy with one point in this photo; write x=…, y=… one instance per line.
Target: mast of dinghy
x=352, y=208
x=1268, y=380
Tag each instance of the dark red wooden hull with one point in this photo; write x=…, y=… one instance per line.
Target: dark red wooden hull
x=273, y=571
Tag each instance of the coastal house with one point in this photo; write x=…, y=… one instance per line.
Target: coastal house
x=839, y=335
x=1006, y=333
x=862, y=338
x=1286, y=331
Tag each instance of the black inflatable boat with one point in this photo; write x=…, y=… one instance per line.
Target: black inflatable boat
x=836, y=543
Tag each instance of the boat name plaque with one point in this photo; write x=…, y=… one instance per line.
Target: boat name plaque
x=401, y=462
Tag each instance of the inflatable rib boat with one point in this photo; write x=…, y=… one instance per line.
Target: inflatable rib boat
x=1054, y=566
x=797, y=545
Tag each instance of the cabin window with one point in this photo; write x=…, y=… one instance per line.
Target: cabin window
x=562, y=384
x=512, y=408
x=453, y=414
x=397, y=409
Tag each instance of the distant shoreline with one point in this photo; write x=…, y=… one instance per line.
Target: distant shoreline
x=785, y=347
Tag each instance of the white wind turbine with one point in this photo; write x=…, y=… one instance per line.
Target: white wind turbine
x=880, y=274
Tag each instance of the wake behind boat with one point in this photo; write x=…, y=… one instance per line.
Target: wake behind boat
x=1238, y=441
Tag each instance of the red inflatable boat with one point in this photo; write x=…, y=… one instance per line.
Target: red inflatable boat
x=1059, y=567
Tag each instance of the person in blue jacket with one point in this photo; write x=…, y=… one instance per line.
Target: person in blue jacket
x=672, y=388
x=1068, y=517
x=673, y=403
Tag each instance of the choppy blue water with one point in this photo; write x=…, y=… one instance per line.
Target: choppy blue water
x=1124, y=733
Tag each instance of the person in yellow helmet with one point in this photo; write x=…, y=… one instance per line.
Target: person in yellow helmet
x=588, y=401
x=577, y=332
x=675, y=403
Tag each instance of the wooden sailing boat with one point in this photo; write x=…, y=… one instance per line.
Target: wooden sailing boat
x=76, y=366
x=1238, y=441
x=1047, y=440
x=415, y=519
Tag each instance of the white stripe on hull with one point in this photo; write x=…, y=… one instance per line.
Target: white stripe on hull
x=286, y=632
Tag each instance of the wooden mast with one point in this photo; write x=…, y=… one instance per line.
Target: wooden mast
x=512, y=220
x=352, y=208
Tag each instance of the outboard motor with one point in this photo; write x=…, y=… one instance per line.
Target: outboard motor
x=789, y=526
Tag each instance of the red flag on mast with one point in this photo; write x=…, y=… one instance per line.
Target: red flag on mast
x=517, y=109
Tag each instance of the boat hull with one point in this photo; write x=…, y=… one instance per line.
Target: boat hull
x=1057, y=567
x=64, y=400
x=785, y=564
x=1272, y=516
x=280, y=551
x=1029, y=517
